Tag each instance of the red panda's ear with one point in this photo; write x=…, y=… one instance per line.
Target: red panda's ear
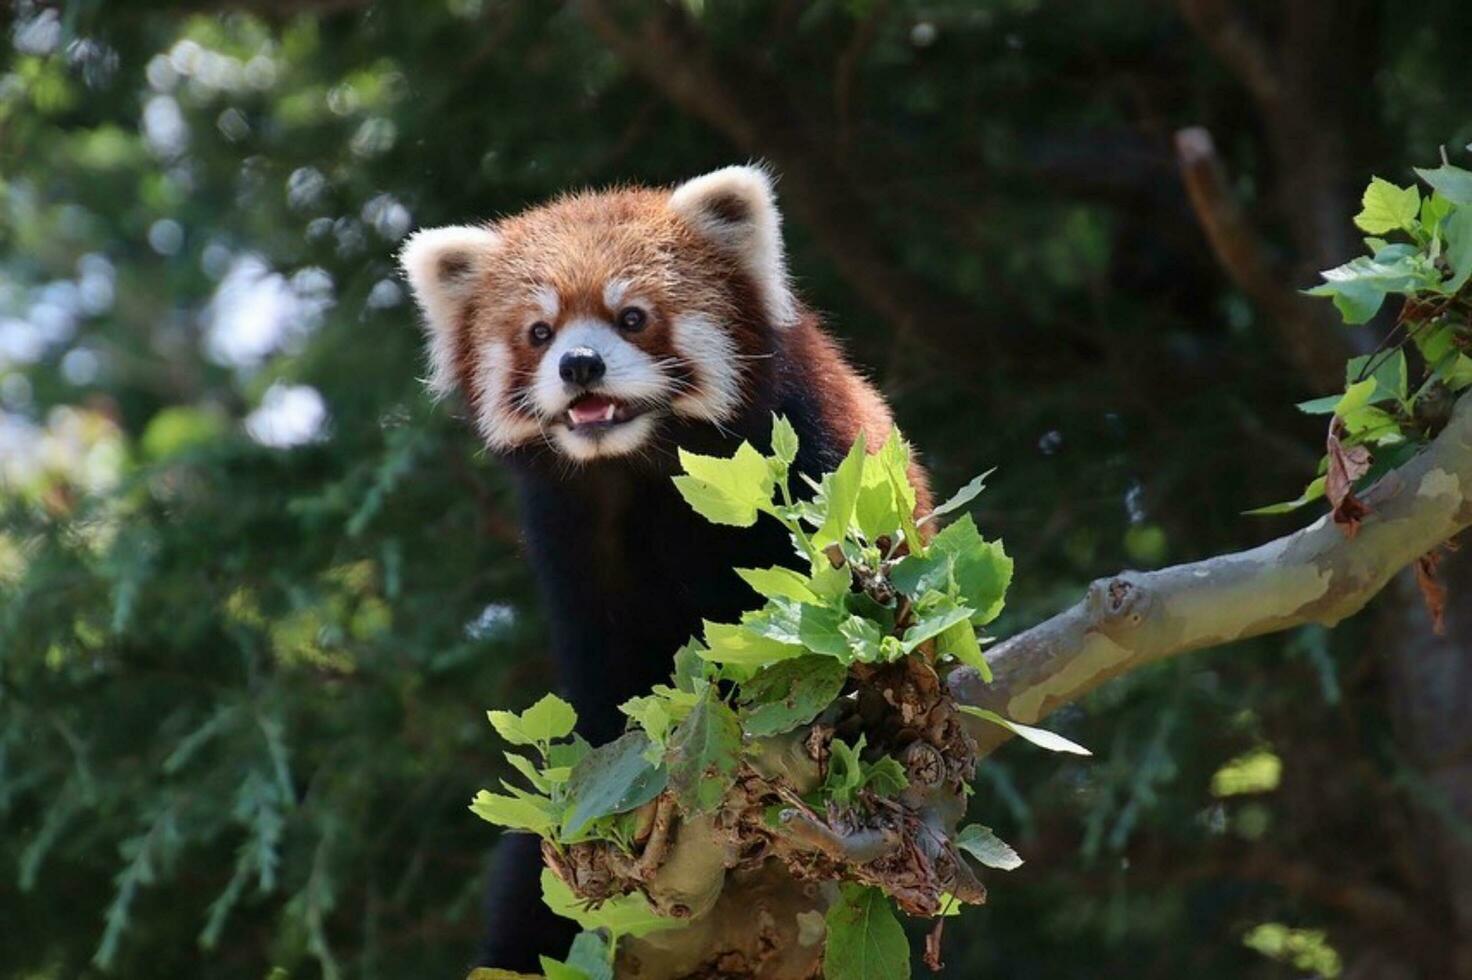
x=736, y=208
x=443, y=265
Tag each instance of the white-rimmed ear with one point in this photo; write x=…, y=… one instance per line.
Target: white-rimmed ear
x=736, y=208
x=442, y=265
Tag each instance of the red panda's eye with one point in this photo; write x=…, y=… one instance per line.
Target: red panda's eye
x=540, y=332
x=631, y=319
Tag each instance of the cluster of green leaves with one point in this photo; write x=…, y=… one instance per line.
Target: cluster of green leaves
x=1420, y=248
x=859, y=524
x=869, y=588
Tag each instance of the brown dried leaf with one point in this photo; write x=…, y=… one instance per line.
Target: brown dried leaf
x=1345, y=467
x=1432, y=591
x=932, y=947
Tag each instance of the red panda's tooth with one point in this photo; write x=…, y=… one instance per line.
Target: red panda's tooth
x=608, y=412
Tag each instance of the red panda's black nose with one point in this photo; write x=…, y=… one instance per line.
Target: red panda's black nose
x=581, y=366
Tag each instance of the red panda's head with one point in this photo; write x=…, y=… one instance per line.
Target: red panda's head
x=588, y=322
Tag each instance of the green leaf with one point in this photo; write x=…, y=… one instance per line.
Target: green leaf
x=1319, y=406
x=1357, y=302
x=1355, y=397
x=845, y=774
x=727, y=491
x=1458, y=231
x=1040, y=737
x=627, y=915
x=713, y=504
x=885, y=495
x=612, y=778
x=982, y=569
x=784, y=440
x=789, y=694
x=652, y=713
x=828, y=582
x=915, y=575
x=590, y=954
x=840, y=494
x=1389, y=375
x=1371, y=424
x=776, y=621
x=960, y=498
x=553, y=970
x=565, y=755
x=529, y=769
x=863, y=640
x=691, y=667
x=1314, y=491
x=937, y=620
x=886, y=777
x=549, y=719
x=987, y=847
x=960, y=641
x=778, y=583
x=820, y=630
x=703, y=754
x=733, y=643
x=1434, y=210
x=521, y=812
x=1452, y=183
x=865, y=941
x=1387, y=207
x=508, y=725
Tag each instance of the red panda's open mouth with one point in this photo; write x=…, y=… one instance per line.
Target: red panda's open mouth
x=592, y=412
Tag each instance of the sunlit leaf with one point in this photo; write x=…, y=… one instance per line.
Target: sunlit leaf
x=987, y=847
x=1040, y=737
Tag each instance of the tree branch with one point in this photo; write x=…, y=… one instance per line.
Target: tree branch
x=1318, y=351
x=1316, y=575
x=1245, y=53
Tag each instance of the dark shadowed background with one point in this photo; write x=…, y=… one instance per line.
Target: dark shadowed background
x=256, y=591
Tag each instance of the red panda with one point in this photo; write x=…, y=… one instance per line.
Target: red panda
x=590, y=338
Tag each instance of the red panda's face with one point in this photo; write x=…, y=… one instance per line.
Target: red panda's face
x=587, y=322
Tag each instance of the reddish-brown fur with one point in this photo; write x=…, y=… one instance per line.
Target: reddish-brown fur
x=849, y=403
x=578, y=243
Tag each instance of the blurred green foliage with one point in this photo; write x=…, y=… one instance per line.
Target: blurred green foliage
x=256, y=592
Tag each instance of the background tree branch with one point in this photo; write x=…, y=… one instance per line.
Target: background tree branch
x=1309, y=338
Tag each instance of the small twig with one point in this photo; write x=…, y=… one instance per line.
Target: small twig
x=658, y=844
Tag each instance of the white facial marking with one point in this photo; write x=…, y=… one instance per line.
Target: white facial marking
x=614, y=292
x=711, y=350
x=629, y=374
x=547, y=302
x=623, y=438
x=441, y=349
x=498, y=426
x=440, y=297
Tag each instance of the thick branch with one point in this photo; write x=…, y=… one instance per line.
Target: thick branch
x=1316, y=575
